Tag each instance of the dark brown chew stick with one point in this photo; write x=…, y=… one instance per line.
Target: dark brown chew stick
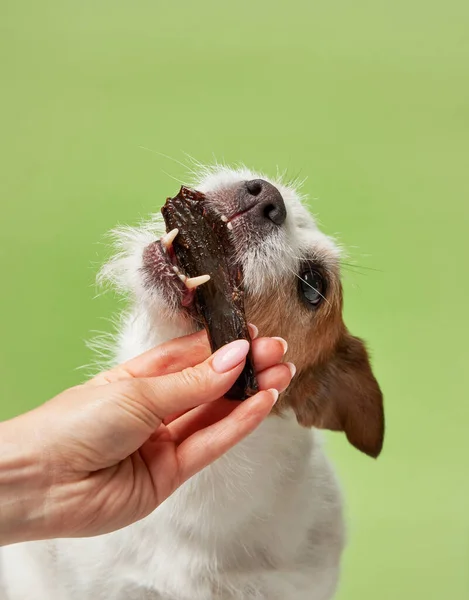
x=203, y=247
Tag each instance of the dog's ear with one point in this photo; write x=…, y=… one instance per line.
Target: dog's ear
x=343, y=395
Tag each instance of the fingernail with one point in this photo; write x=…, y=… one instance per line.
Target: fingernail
x=253, y=330
x=274, y=394
x=292, y=368
x=283, y=342
x=230, y=356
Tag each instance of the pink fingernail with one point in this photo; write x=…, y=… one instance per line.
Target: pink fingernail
x=292, y=368
x=283, y=342
x=253, y=331
x=230, y=356
x=274, y=393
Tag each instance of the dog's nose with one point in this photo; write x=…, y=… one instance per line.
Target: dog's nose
x=266, y=201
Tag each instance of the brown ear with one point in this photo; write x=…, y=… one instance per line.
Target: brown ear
x=343, y=395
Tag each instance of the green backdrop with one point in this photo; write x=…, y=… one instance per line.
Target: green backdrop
x=370, y=100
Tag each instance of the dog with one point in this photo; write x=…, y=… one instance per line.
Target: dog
x=265, y=521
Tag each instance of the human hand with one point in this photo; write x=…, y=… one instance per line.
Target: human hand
x=104, y=454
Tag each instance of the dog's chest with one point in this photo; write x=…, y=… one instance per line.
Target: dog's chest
x=250, y=526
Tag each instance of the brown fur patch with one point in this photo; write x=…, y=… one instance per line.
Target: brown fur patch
x=334, y=387
x=342, y=394
x=311, y=334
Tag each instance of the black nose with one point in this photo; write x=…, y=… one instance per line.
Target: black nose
x=266, y=201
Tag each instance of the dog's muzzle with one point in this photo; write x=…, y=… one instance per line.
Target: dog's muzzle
x=263, y=202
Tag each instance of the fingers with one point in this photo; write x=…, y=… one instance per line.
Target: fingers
x=198, y=418
x=193, y=386
x=169, y=357
x=267, y=352
x=277, y=377
x=183, y=425
x=208, y=444
x=190, y=378
x=187, y=351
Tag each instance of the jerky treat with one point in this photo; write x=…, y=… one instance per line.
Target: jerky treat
x=202, y=247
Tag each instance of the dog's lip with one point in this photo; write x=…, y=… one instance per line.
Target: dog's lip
x=167, y=259
x=240, y=213
x=167, y=267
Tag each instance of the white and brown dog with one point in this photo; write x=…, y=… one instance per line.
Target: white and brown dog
x=264, y=521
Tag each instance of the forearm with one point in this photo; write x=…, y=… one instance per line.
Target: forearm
x=23, y=487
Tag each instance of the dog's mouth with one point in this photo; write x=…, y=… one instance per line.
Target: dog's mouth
x=162, y=268
x=258, y=201
x=250, y=211
x=200, y=242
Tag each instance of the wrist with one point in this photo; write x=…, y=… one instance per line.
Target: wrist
x=23, y=486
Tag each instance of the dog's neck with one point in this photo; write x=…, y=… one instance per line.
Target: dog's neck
x=245, y=484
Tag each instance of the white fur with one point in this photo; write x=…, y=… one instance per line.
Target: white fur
x=264, y=522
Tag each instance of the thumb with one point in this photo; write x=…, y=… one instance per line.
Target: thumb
x=197, y=385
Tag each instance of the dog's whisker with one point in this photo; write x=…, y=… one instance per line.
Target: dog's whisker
x=354, y=271
x=309, y=285
x=162, y=154
x=361, y=266
x=176, y=179
x=197, y=165
x=296, y=182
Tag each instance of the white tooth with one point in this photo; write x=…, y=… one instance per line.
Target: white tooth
x=224, y=219
x=229, y=226
x=175, y=269
x=168, y=239
x=182, y=277
x=194, y=282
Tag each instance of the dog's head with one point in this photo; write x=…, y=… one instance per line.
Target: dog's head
x=293, y=289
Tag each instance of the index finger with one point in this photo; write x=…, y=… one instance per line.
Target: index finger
x=166, y=358
x=169, y=357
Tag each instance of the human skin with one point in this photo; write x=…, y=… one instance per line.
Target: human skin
x=106, y=453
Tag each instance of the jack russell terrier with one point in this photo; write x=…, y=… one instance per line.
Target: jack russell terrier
x=265, y=521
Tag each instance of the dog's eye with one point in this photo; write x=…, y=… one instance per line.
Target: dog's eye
x=312, y=286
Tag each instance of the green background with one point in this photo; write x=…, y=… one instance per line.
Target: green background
x=370, y=100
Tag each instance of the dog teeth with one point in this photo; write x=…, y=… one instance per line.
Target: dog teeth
x=194, y=282
x=224, y=219
x=168, y=239
x=190, y=282
x=181, y=276
x=229, y=226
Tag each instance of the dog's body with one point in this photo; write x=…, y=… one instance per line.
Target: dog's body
x=264, y=521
